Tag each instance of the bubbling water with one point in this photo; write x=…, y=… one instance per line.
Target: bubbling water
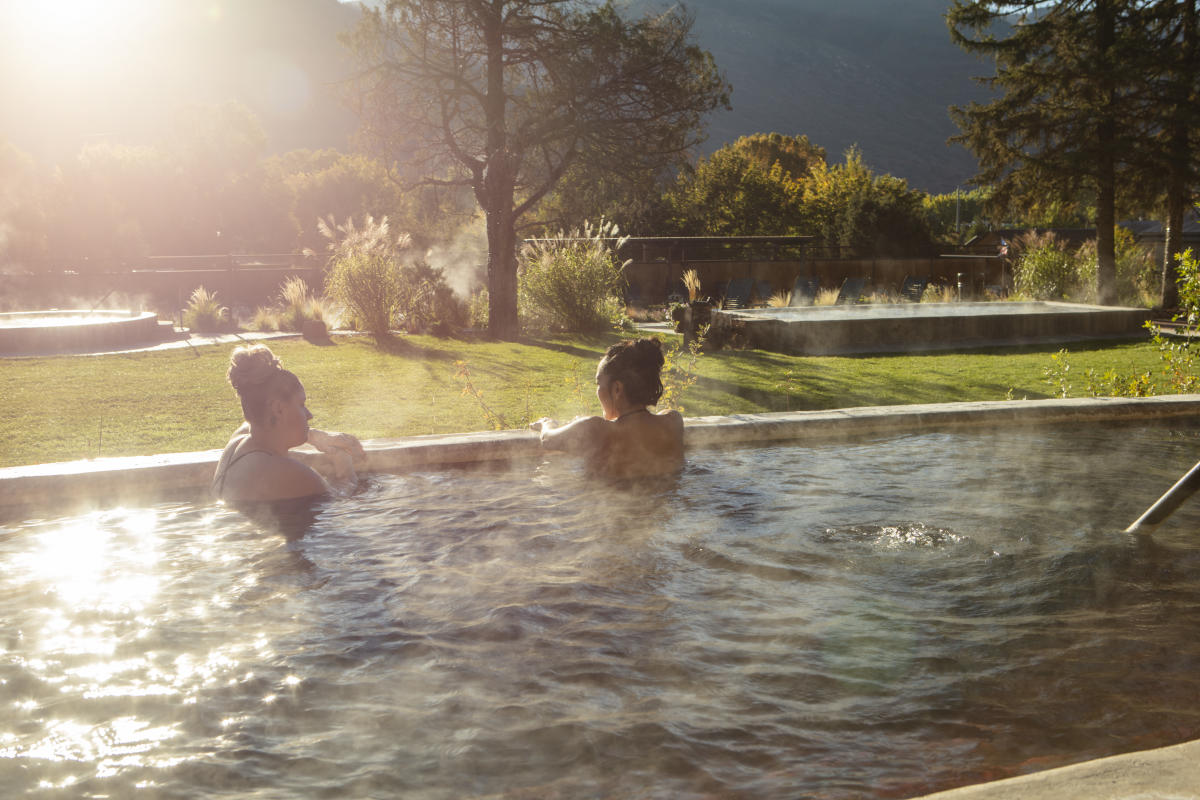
x=875, y=620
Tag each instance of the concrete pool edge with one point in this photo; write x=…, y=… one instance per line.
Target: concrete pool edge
x=132, y=478
x=1163, y=773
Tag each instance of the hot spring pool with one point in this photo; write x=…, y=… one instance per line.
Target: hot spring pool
x=67, y=331
x=875, y=620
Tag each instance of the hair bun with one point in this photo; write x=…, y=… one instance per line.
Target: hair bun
x=649, y=352
x=252, y=366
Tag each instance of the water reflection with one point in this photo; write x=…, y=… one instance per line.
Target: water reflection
x=799, y=621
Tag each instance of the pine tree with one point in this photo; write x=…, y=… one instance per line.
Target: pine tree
x=1061, y=124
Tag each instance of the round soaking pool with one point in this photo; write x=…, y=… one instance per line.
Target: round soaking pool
x=874, y=620
x=65, y=331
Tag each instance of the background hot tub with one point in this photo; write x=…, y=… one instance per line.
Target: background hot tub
x=69, y=331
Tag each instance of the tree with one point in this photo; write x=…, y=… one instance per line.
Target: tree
x=850, y=208
x=731, y=193
x=1060, y=123
x=1169, y=100
x=504, y=95
x=795, y=155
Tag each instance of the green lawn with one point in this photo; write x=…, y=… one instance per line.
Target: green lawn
x=69, y=407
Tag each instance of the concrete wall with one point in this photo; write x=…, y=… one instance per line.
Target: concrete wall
x=653, y=281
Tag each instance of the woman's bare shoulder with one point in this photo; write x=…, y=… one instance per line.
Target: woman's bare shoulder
x=262, y=476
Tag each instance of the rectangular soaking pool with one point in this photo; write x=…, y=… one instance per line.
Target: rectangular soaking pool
x=878, y=619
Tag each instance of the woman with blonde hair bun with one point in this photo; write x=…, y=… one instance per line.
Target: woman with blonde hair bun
x=256, y=466
x=629, y=441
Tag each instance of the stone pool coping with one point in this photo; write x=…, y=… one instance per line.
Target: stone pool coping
x=1166, y=772
x=140, y=478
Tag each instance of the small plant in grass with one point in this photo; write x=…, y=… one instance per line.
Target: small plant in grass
x=679, y=370
x=204, y=312
x=495, y=420
x=1058, y=373
x=790, y=387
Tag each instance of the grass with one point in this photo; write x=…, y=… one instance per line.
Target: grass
x=69, y=407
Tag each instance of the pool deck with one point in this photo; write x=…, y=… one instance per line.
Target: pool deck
x=1166, y=773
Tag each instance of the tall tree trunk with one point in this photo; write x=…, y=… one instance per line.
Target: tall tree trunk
x=1106, y=178
x=498, y=188
x=1172, y=240
x=1177, y=189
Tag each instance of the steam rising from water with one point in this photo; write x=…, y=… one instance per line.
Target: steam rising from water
x=464, y=258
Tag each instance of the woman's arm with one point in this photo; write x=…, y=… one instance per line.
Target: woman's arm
x=583, y=435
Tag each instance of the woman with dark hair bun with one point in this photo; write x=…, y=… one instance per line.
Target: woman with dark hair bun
x=255, y=466
x=629, y=440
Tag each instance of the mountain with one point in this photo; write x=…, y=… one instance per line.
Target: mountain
x=876, y=73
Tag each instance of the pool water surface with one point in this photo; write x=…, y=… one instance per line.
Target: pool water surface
x=875, y=620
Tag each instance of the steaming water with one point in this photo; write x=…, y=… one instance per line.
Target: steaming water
x=866, y=621
x=55, y=320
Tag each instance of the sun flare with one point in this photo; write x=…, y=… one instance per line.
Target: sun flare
x=68, y=35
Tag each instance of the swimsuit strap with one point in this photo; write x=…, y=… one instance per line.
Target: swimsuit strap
x=219, y=480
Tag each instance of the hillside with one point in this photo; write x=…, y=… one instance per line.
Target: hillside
x=873, y=72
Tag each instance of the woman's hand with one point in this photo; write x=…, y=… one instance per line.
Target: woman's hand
x=543, y=425
x=337, y=444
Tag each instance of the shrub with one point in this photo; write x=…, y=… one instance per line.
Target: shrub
x=572, y=281
x=265, y=319
x=1137, y=272
x=1044, y=269
x=365, y=274
x=370, y=286
x=477, y=310
x=427, y=303
x=204, y=312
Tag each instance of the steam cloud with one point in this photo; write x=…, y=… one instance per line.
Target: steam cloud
x=463, y=259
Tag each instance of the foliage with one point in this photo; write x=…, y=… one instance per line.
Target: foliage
x=505, y=98
x=370, y=286
x=734, y=193
x=477, y=310
x=264, y=319
x=956, y=217
x=1178, y=368
x=691, y=282
x=857, y=212
x=1089, y=98
x=426, y=302
x=1137, y=274
x=204, y=312
x=680, y=371
x=795, y=155
x=1045, y=270
x=573, y=281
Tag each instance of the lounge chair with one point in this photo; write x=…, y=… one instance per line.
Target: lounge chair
x=737, y=293
x=804, y=291
x=913, y=288
x=851, y=291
